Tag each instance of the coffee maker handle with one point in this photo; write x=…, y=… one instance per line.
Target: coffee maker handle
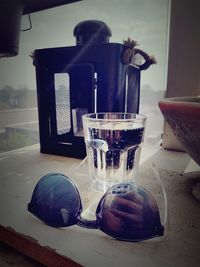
x=148, y=60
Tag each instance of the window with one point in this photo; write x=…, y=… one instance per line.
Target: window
x=141, y=20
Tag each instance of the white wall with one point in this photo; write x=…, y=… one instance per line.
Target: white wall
x=183, y=77
x=184, y=49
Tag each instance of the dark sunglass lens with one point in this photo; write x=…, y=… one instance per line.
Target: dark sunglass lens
x=128, y=212
x=56, y=201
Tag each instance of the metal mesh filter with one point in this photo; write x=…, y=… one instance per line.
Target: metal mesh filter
x=62, y=101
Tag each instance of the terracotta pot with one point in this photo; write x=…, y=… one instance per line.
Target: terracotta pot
x=183, y=116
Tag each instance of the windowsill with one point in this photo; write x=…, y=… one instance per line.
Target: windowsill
x=20, y=171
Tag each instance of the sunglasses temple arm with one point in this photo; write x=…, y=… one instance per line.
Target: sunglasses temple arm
x=91, y=224
x=82, y=162
x=155, y=171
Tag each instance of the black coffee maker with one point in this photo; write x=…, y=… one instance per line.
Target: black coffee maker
x=86, y=78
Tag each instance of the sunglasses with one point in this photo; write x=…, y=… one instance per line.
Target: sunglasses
x=126, y=211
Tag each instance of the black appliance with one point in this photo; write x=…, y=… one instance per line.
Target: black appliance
x=86, y=78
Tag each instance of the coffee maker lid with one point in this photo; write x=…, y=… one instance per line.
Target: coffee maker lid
x=93, y=31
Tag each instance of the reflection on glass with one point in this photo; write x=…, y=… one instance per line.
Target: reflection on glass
x=130, y=214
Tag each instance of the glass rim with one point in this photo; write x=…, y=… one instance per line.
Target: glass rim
x=136, y=116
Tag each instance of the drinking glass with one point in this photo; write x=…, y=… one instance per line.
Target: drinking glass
x=113, y=143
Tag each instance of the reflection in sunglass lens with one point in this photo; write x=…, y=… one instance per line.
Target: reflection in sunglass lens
x=56, y=201
x=128, y=212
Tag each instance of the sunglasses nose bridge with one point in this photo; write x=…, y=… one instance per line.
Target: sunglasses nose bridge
x=90, y=224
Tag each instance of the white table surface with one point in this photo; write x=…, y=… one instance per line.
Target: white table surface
x=180, y=246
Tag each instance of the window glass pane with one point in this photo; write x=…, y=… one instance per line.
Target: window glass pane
x=145, y=21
